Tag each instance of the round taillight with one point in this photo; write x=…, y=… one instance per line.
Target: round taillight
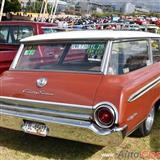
x=105, y=116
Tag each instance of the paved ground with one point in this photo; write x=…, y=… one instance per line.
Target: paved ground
x=19, y=146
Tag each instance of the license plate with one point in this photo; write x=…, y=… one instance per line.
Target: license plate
x=35, y=128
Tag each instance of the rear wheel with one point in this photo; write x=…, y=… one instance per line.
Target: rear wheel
x=146, y=127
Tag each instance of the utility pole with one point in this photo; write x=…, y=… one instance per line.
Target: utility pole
x=2, y=8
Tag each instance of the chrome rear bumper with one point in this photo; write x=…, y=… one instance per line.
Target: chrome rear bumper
x=66, y=127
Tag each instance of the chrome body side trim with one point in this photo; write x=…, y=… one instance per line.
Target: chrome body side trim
x=144, y=90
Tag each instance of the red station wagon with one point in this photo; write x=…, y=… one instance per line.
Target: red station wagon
x=11, y=32
x=90, y=86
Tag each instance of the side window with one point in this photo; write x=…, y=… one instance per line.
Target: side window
x=13, y=35
x=155, y=43
x=4, y=30
x=25, y=32
x=128, y=56
x=19, y=32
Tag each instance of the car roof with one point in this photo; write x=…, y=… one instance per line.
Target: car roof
x=23, y=23
x=90, y=34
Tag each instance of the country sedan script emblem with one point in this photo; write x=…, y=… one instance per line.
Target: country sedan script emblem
x=41, y=92
x=41, y=82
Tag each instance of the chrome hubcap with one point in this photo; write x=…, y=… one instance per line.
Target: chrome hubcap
x=150, y=119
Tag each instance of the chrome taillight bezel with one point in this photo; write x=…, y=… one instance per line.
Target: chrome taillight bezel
x=111, y=108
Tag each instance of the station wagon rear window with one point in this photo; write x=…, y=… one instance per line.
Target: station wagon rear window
x=79, y=56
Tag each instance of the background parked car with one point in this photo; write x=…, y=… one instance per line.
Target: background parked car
x=11, y=32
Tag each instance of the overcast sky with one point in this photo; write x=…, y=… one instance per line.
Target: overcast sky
x=152, y=4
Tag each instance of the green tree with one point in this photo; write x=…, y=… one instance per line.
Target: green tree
x=12, y=6
x=35, y=7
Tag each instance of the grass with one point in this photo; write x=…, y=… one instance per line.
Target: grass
x=19, y=146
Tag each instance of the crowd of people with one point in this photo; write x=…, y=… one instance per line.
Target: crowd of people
x=110, y=22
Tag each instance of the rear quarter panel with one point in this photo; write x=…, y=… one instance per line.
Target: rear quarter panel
x=135, y=112
x=117, y=90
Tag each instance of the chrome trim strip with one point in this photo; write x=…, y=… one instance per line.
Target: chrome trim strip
x=144, y=90
x=105, y=57
x=43, y=118
x=65, y=108
x=6, y=99
x=108, y=57
x=15, y=61
x=46, y=112
x=59, y=71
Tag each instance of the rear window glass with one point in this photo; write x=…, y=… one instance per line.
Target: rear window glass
x=80, y=56
x=13, y=34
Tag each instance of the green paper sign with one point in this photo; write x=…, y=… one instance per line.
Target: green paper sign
x=30, y=52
